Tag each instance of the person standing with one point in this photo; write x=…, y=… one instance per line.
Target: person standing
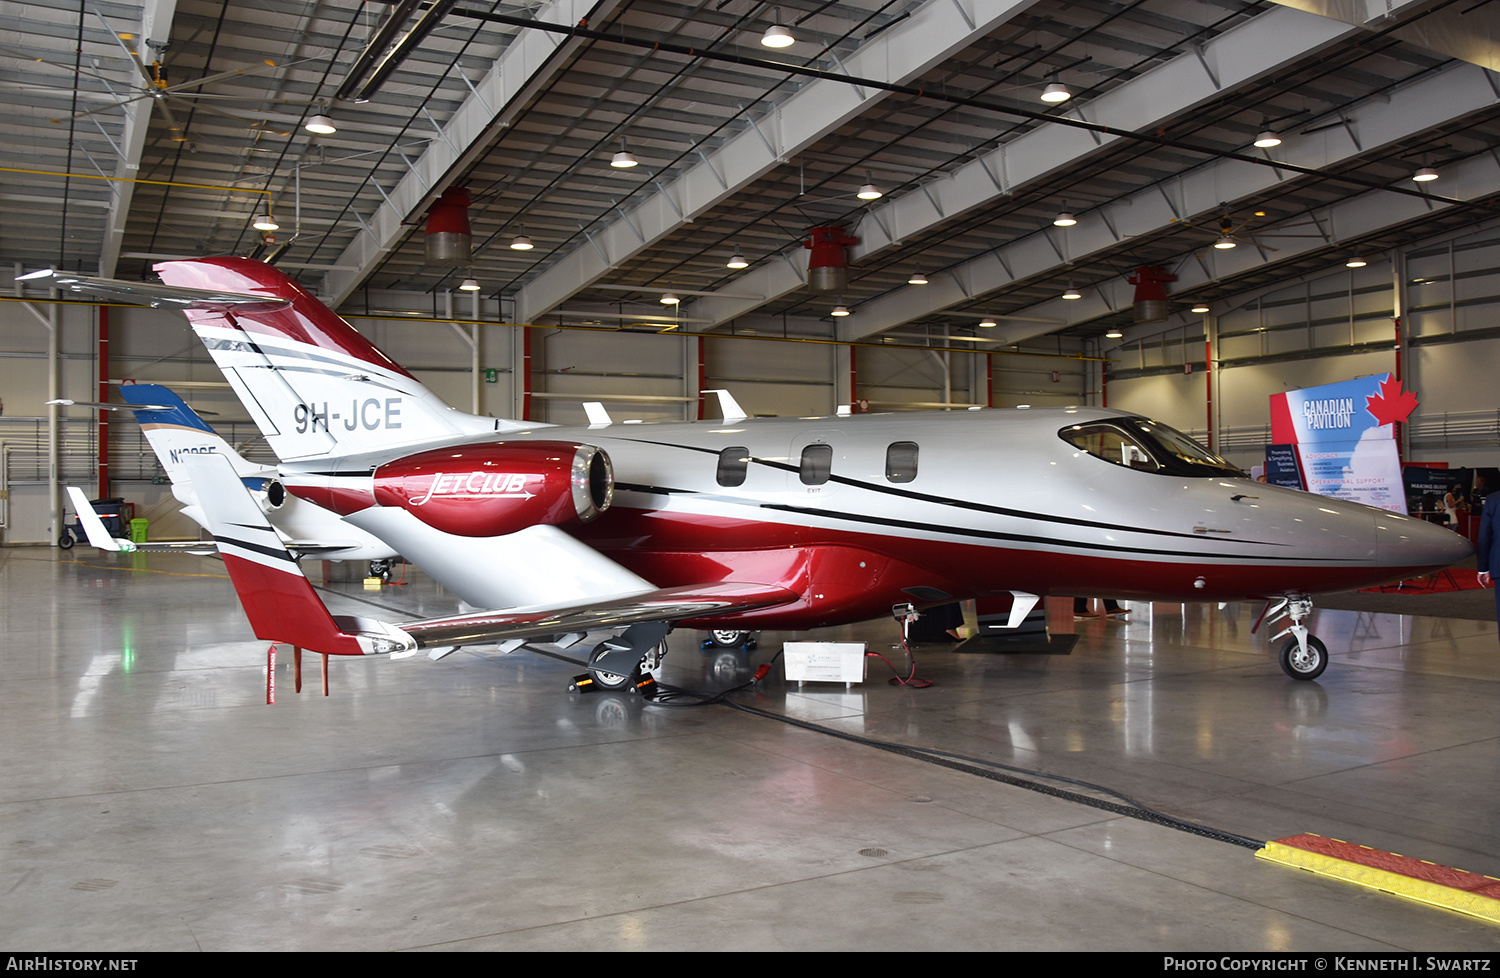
x=1489, y=544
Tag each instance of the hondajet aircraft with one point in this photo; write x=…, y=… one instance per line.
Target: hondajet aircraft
x=788, y=523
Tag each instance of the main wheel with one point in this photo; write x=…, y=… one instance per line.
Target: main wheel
x=611, y=680
x=726, y=638
x=1304, y=665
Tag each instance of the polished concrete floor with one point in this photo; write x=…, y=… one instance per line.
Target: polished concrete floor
x=151, y=801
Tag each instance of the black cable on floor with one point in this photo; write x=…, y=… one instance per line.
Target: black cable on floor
x=990, y=770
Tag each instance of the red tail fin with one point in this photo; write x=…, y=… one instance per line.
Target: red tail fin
x=307, y=320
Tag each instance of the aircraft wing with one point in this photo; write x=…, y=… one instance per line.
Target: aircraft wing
x=155, y=294
x=283, y=607
x=664, y=604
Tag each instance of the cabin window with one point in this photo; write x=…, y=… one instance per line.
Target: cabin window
x=817, y=465
x=734, y=462
x=901, y=461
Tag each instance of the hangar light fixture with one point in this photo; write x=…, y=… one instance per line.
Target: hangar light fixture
x=669, y=299
x=777, y=36
x=1267, y=139
x=469, y=285
x=840, y=311
x=1201, y=307
x=1056, y=92
x=623, y=160
x=1225, y=243
x=1114, y=333
x=1065, y=220
x=869, y=190
x=987, y=324
x=521, y=243
x=1355, y=262
x=1425, y=174
x=737, y=260
x=1072, y=293
x=264, y=222
x=917, y=278
x=320, y=124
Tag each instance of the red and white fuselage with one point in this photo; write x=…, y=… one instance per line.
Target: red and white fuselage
x=851, y=514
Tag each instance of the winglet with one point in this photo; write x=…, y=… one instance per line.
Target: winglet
x=598, y=417
x=93, y=526
x=729, y=407
x=280, y=603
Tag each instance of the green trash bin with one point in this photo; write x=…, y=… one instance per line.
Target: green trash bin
x=138, y=530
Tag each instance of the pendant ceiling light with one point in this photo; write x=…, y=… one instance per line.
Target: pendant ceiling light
x=1056, y=92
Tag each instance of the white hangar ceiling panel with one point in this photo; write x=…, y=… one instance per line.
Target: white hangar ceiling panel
x=736, y=154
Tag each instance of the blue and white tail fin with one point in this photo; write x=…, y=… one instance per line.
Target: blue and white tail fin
x=175, y=433
x=315, y=387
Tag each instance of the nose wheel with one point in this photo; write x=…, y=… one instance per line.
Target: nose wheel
x=1304, y=663
x=1303, y=656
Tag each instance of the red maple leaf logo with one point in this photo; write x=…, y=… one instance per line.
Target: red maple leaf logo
x=1391, y=404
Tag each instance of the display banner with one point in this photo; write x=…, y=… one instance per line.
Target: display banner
x=1344, y=437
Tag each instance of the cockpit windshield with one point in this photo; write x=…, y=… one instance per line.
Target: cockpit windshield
x=1148, y=446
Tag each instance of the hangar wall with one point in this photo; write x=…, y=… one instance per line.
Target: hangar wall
x=1334, y=326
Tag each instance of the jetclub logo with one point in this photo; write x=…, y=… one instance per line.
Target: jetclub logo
x=477, y=485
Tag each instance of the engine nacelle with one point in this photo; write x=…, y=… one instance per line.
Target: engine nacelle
x=495, y=489
x=274, y=494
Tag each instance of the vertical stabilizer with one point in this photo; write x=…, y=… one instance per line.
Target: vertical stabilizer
x=276, y=596
x=312, y=383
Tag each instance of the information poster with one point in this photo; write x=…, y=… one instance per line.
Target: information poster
x=1281, y=467
x=1344, y=437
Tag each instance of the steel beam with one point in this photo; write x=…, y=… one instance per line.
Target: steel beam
x=1249, y=51
x=1356, y=217
x=1435, y=99
x=156, y=24
x=931, y=34
x=515, y=76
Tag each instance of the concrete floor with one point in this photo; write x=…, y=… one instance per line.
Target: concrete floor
x=151, y=801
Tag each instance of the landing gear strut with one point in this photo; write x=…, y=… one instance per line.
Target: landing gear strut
x=1303, y=656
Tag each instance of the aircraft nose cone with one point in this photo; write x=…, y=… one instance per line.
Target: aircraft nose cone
x=1415, y=545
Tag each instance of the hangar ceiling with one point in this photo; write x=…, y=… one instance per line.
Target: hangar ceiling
x=150, y=129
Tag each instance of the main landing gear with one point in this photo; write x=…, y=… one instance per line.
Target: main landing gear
x=626, y=662
x=728, y=638
x=1302, y=655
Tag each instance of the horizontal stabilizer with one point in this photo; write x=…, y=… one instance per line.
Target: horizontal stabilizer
x=154, y=294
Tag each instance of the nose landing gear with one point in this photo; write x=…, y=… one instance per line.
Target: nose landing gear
x=1303, y=656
